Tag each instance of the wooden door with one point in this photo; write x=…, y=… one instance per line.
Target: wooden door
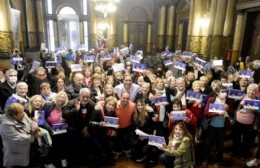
x=138, y=35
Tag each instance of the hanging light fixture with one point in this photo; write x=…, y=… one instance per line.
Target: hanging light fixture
x=105, y=6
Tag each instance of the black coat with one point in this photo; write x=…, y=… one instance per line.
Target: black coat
x=5, y=92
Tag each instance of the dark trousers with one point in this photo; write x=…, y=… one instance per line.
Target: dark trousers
x=166, y=160
x=216, y=135
x=243, y=138
x=124, y=139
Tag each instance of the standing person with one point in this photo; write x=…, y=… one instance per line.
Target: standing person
x=179, y=152
x=34, y=81
x=142, y=120
x=8, y=87
x=216, y=128
x=129, y=86
x=17, y=132
x=104, y=138
x=124, y=111
x=244, y=124
x=55, y=115
x=73, y=89
x=78, y=118
x=20, y=96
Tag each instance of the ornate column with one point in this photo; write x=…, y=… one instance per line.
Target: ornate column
x=195, y=43
x=125, y=40
x=112, y=34
x=170, y=27
x=40, y=21
x=192, y=4
x=31, y=24
x=212, y=15
x=217, y=38
x=180, y=34
x=93, y=28
x=238, y=36
x=6, y=34
x=228, y=24
x=161, y=27
x=149, y=38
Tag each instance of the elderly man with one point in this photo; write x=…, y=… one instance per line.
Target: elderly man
x=78, y=118
x=8, y=87
x=35, y=81
x=73, y=89
x=124, y=111
x=129, y=86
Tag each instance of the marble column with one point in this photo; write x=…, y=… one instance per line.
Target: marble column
x=93, y=28
x=195, y=43
x=170, y=27
x=40, y=20
x=161, y=27
x=125, y=40
x=149, y=38
x=180, y=34
x=217, y=38
x=239, y=28
x=31, y=24
x=112, y=36
x=192, y=5
x=6, y=34
x=228, y=27
x=212, y=15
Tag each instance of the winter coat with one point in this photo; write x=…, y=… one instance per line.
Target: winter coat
x=17, y=137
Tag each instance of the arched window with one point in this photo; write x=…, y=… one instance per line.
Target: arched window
x=67, y=11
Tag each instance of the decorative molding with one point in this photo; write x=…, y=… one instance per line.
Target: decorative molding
x=208, y=47
x=216, y=47
x=7, y=42
x=195, y=43
x=111, y=41
x=246, y=4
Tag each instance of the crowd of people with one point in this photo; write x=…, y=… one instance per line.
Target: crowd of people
x=76, y=103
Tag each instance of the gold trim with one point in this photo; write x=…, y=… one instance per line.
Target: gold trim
x=6, y=40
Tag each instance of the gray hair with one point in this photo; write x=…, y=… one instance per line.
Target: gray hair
x=20, y=84
x=9, y=71
x=84, y=90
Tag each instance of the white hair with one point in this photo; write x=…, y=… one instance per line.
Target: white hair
x=84, y=90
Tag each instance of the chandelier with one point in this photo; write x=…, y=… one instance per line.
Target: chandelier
x=105, y=6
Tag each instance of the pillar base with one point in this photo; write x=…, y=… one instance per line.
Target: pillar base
x=111, y=41
x=195, y=43
x=161, y=44
x=217, y=50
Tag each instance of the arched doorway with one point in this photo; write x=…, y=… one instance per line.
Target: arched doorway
x=138, y=23
x=68, y=26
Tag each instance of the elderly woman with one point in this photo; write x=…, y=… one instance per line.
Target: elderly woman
x=17, y=132
x=244, y=124
x=19, y=97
